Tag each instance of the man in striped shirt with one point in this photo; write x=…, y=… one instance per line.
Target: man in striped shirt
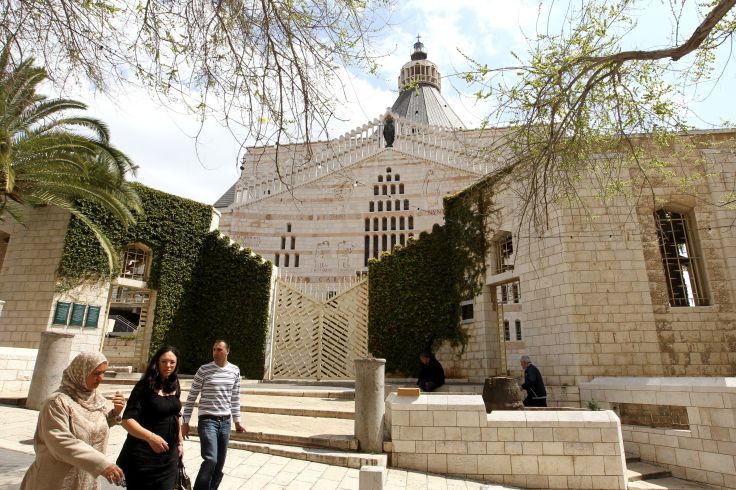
x=218, y=382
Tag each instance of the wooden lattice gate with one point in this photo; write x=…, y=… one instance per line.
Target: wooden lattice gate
x=318, y=338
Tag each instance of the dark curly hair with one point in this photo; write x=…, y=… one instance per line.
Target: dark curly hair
x=153, y=375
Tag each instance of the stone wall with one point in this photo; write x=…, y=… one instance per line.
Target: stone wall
x=593, y=293
x=16, y=369
x=85, y=338
x=27, y=277
x=532, y=449
x=706, y=451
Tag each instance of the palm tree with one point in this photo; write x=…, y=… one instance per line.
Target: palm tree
x=48, y=157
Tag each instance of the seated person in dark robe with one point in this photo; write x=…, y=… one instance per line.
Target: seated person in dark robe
x=431, y=373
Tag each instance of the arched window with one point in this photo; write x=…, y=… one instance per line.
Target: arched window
x=406, y=205
x=288, y=227
x=380, y=178
x=296, y=260
x=393, y=222
x=283, y=243
x=393, y=241
x=276, y=260
x=401, y=223
x=371, y=206
x=397, y=205
x=384, y=190
x=286, y=260
x=384, y=242
x=411, y=222
x=388, y=205
x=375, y=246
x=402, y=239
x=393, y=189
x=367, y=224
x=380, y=205
x=517, y=324
x=375, y=224
x=293, y=242
x=384, y=224
x=375, y=190
x=366, y=250
x=388, y=178
x=388, y=170
x=401, y=188
x=506, y=331
x=397, y=177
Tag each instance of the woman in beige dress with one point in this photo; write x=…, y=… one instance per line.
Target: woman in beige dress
x=72, y=429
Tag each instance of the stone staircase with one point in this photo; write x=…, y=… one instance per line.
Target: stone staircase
x=646, y=476
x=313, y=421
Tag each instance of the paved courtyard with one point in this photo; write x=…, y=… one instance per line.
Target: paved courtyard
x=243, y=469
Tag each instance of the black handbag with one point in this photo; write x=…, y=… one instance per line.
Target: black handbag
x=183, y=482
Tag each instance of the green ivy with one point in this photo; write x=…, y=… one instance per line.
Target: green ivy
x=415, y=292
x=414, y=301
x=228, y=299
x=188, y=262
x=467, y=221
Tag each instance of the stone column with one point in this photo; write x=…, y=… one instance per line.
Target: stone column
x=369, y=403
x=51, y=360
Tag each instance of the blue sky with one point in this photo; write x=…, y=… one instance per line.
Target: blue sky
x=161, y=140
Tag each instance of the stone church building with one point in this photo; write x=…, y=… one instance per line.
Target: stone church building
x=644, y=288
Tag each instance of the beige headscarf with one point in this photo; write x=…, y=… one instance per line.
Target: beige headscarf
x=74, y=380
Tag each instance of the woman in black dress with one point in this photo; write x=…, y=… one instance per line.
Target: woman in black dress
x=151, y=452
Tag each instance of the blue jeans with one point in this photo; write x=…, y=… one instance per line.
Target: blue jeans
x=213, y=438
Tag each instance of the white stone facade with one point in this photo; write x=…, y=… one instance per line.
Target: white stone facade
x=352, y=199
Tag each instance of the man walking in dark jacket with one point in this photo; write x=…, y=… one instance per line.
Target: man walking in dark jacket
x=536, y=394
x=431, y=373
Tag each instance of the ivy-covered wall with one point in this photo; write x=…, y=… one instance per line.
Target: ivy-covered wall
x=228, y=299
x=189, y=262
x=413, y=299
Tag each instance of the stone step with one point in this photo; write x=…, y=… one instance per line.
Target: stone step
x=302, y=407
x=317, y=455
x=637, y=470
x=250, y=387
x=320, y=432
x=669, y=483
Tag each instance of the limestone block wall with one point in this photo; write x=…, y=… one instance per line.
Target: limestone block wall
x=531, y=449
x=706, y=450
x=27, y=276
x=593, y=293
x=16, y=368
x=122, y=352
x=479, y=359
x=85, y=338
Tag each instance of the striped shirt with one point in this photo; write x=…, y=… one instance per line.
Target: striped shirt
x=220, y=389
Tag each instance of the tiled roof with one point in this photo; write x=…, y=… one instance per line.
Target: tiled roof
x=426, y=105
x=226, y=199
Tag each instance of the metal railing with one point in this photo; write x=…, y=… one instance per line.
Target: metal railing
x=122, y=326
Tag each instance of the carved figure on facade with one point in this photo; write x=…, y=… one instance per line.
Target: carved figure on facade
x=344, y=249
x=321, y=256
